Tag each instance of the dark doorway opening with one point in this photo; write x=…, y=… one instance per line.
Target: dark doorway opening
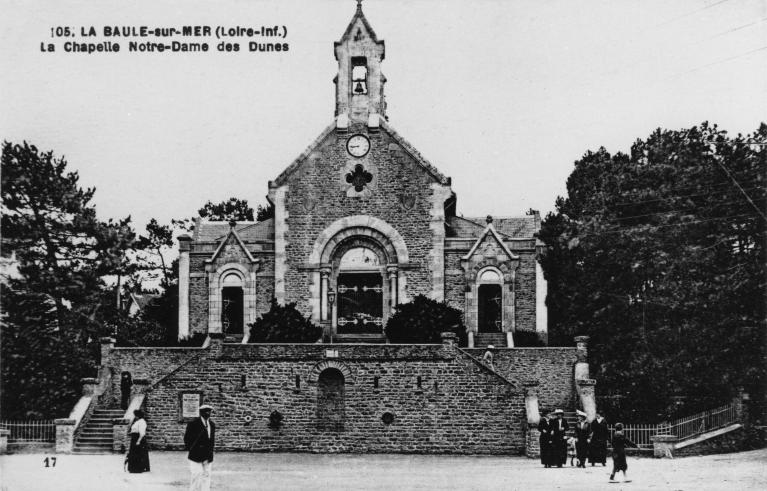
x=360, y=303
x=232, y=310
x=331, y=412
x=490, y=304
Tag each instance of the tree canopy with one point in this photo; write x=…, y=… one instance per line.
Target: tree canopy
x=659, y=257
x=53, y=304
x=232, y=209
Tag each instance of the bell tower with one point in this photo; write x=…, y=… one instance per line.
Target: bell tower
x=359, y=83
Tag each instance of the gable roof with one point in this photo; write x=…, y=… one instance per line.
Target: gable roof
x=348, y=32
x=214, y=231
x=508, y=227
x=238, y=240
x=419, y=159
x=490, y=230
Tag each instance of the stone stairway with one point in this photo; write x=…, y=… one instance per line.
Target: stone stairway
x=96, y=436
x=497, y=339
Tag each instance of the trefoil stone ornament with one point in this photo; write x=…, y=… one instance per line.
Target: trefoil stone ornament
x=359, y=178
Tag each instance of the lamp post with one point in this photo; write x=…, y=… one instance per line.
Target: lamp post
x=331, y=304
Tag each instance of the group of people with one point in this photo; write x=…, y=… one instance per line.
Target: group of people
x=199, y=439
x=589, y=443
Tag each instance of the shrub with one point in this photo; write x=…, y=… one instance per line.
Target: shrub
x=423, y=320
x=284, y=324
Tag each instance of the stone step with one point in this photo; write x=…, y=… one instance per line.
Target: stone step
x=92, y=450
x=93, y=445
x=483, y=339
x=90, y=432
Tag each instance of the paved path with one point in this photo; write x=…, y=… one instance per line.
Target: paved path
x=248, y=471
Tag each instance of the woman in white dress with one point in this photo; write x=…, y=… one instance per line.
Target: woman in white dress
x=138, y=454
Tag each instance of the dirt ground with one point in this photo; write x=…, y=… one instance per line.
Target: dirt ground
x=248, y=471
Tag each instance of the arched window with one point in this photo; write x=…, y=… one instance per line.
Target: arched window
x=360, y=258
x=232, y=306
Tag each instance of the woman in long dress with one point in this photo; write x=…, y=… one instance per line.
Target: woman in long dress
x=138, y=454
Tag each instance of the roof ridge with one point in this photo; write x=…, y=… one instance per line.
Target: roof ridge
x=415, y=153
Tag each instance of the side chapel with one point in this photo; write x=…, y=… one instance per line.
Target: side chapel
x=362, y=222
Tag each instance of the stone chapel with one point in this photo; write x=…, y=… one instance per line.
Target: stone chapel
x=362, y=222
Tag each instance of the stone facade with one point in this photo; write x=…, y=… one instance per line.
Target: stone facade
x=360, y=185
x=441, y=398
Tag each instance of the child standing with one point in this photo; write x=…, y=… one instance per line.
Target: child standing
x=571, y=449
x=620, y=442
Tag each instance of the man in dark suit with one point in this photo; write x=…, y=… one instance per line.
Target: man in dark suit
x=558, y=429
x=200, y=438
x=598, y=444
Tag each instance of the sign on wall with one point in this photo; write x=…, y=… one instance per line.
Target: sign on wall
x=189, y=404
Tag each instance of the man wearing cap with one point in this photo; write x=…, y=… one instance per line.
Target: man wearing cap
x=199, y=438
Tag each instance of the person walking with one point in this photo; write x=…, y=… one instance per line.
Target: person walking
x=138, y=452
x=487, y=358
x=559, y=439
x=544, y=440
x=200, y=440
x=620, y=442
x=582, y=432
x=598, y=441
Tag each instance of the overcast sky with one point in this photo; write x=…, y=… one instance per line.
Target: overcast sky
x=502, y=96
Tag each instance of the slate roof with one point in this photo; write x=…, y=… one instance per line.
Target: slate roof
x=508, y=227
x=207, y=231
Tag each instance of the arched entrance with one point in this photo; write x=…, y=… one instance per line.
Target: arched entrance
x=232, y=305
x=490, y=301
x=331, y=411
x=360, y=286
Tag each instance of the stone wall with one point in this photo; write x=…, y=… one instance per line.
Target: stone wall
x=525, y=291
x=455, y=279
x=198, y=295
x=319, y=195
x=551, y=367
x=442, y=400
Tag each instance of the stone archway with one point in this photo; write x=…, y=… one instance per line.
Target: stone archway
x=331, y=404
x=342, y=236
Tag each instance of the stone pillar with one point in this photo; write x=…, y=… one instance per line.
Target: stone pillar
x=89, y=386
x=141, y=385
x=509, y=339
x=449, y=340
x=120, y=442
x=107, y=345
x=741, y=408
x=471, y=338
x=582, y=363
x=541, y=311
x=4, y=434
x=663, y=446
x=65, y=435
x=531, y=403
x=216, y=346
x=588, y=398
x=184, y=243
x=324, y=274
x=393, y=273
x=532, y=435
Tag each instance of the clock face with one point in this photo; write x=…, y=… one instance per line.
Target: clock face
x=358, y=145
